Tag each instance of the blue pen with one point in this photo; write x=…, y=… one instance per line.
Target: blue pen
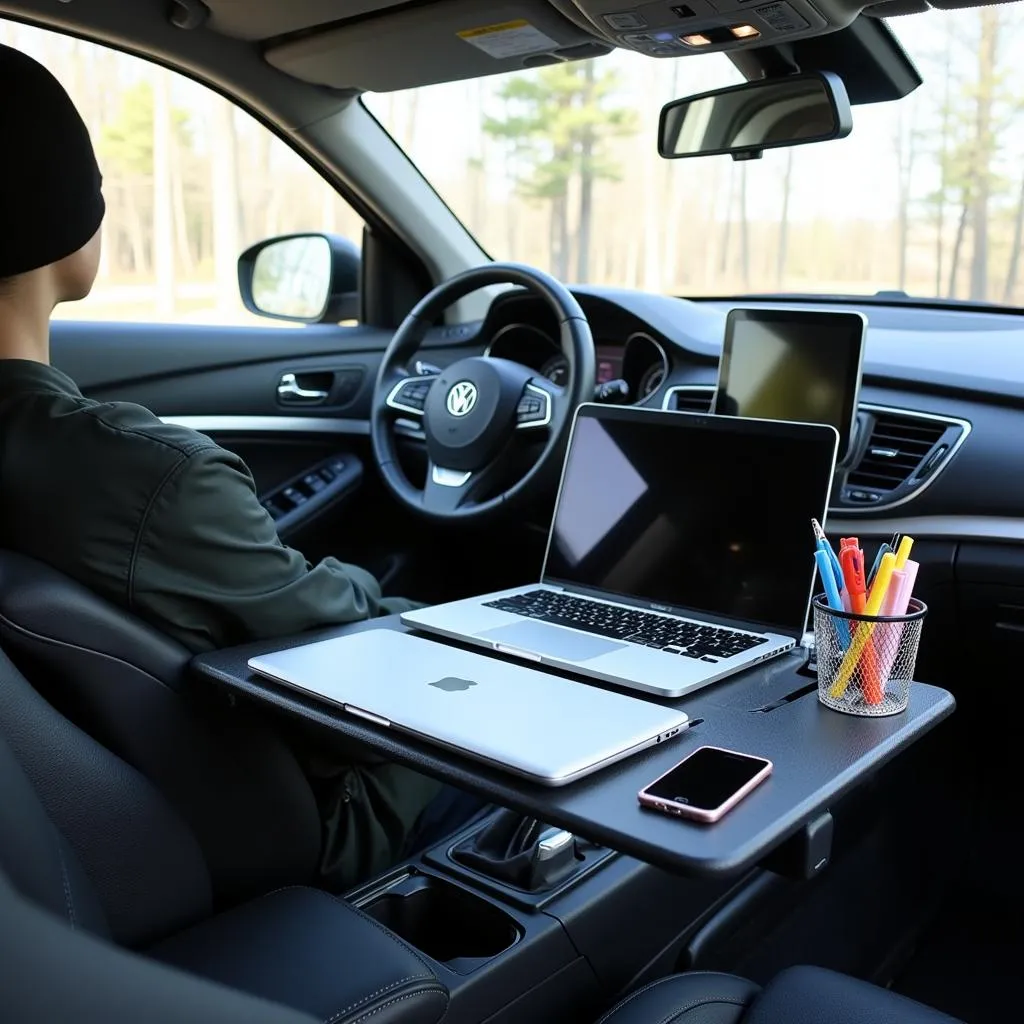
x=824, y=545
x=832, y=596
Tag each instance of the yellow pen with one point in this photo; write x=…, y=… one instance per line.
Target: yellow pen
x=903, y=552
x=874, y=605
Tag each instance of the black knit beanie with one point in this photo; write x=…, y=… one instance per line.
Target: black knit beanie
x=50, y=199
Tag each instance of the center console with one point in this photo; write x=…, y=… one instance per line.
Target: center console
x=520, y=920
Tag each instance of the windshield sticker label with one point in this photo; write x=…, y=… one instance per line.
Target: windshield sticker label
x=509, y=39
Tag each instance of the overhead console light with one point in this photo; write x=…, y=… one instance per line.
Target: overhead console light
x=720, y=34
x=700, y=26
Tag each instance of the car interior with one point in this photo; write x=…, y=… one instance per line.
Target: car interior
x=158, y=838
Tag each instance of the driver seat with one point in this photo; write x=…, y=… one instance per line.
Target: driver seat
x=233, y=781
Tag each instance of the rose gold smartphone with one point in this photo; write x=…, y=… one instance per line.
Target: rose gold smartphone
x=706, y=784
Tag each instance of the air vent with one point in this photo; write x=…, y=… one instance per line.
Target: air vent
x=689, y=399
x=896, y=452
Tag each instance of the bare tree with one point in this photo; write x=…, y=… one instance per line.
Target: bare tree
x=673, y=196
x=984, y=150
x=744, y=228
x=906, y=155
x=587, y=176
x=163, y=206
x=224, y=197
x=782, y=252
x=723, y=266
x=958, y=244
x=1010, y=285
x=940, y=212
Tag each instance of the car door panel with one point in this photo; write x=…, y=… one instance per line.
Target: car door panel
x=179, y=370
x=227, y=382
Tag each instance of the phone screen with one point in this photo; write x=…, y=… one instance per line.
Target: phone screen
x=707, y=778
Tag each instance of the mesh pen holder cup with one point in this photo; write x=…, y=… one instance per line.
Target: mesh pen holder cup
x=865, y=663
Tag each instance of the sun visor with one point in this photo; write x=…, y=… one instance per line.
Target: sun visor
x=442, y=42
x=261, y=19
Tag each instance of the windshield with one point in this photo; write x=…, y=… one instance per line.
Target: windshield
x=558, y=168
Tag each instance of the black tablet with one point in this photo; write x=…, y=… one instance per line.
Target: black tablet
x=799, y=365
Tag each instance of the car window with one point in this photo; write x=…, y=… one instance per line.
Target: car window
x=190, y=181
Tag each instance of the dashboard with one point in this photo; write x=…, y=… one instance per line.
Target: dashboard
x=942, y=394
x=638, y=360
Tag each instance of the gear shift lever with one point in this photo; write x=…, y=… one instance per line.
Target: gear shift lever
x=519, y=851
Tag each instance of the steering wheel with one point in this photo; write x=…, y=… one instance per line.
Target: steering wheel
x=476, y=413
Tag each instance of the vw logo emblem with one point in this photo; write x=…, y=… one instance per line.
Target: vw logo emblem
x=462, y=398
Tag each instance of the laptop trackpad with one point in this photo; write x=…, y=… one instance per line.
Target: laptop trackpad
x=550, y=641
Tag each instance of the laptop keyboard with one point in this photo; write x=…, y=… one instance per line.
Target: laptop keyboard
x=674, y=636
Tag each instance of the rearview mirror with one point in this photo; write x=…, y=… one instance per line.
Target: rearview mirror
x=745, y=120
x=307, y=278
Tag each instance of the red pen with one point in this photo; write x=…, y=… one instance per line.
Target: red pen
x=851, y=560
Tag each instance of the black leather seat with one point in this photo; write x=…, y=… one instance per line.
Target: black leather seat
x=235, y=784
x=801, y=995
x=86, y=841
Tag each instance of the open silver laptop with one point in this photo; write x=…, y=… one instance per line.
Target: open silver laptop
x=539, y=726
x=681, y=551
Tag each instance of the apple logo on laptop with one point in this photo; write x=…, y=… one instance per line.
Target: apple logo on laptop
x=452, y=684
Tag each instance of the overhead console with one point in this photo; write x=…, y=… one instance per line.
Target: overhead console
x=667, y=28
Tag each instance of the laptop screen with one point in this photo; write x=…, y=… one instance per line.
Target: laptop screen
x=701, y=514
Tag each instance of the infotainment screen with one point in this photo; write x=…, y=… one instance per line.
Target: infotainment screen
x=798, y=365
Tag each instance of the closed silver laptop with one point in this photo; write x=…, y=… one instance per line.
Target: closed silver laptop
x=681, y=552
x=536, y=725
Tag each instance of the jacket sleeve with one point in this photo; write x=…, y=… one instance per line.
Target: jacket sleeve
x=210, y=569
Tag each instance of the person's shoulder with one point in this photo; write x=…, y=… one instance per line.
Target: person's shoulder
x=133, y=426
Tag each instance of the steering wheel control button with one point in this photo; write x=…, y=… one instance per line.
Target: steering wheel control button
x=534, y=408
x=410, y=395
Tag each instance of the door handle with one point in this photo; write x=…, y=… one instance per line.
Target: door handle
x=289, y=390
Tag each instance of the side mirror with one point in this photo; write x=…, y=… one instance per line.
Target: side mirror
x=745, y=120
x=306, y=278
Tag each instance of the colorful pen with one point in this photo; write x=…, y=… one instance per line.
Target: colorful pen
x=835, y=602
x=903, y=551
x=901, y=589
x=897, y=602
x=878, y=561
x=872, y=682
x=824, y=545
x=880, y=587
x=852, y=561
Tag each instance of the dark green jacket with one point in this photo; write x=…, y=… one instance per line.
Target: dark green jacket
x=156, y=518
x=165, y=523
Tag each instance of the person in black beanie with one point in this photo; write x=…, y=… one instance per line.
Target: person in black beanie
x=158, y=518
x=51, y=204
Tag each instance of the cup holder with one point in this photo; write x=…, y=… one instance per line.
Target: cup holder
x=449, y=924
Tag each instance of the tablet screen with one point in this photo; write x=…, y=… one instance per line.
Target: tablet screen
x=794, y=365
